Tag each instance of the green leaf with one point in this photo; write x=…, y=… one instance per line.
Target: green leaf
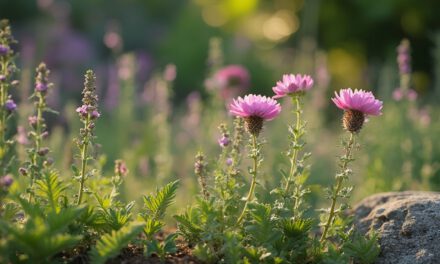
x=109, y=245
x=364, y=250
x=50, y=188
x=156, y=204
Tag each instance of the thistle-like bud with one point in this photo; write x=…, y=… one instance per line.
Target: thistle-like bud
x=353, y=120
x=254, y=124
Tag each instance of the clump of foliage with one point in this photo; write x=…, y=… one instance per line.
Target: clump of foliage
x=274, y=226
x=51, y=222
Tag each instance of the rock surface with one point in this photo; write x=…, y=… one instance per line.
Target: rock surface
x=408, y=224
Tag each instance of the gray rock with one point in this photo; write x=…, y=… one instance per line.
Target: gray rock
x=408, y=224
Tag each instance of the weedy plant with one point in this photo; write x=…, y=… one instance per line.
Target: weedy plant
x=50, y=222
x=275, y=226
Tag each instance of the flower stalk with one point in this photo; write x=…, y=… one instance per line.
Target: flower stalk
x=37, y=154
x=255, y=156
x=340, y=178
x=88, y=112
x=7, y=105
x=296, y=145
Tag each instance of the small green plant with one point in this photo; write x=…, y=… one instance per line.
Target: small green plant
x=274, y=226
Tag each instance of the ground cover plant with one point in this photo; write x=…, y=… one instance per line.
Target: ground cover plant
x=67, y=196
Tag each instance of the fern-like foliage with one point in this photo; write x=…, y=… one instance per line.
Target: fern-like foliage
x=109, y=245
x=112, y=214
x=189, y=226
x=50, y=188
x=364, y=250
x=42, y=235
x=157, y=203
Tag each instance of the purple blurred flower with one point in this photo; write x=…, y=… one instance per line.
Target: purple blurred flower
x=404, y=57
x=41, y=87
x=224, y=141
x=82, y=110
x=397, y=94
x=229, y=161
x=3, y=50
x=2, y=78
x=292, y=84
x=232, y=80
x=95, y=114
x=10, y=105
x=6, y=181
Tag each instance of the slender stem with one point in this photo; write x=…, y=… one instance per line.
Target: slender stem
x=254, y=177
x=38, y=126
x=294, y=156
x=3, y=96
x=338, y=186
x=84, y=147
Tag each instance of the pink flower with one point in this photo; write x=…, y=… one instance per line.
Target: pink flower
x=411, y=95
x=232, y=80
x=291, y=84
x=358, y=100
x=255, y=106
x=397, y=94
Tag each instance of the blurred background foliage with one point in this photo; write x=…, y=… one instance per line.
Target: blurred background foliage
x=158, y=123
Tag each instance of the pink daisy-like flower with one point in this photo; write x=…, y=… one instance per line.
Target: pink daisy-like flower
x=255, y=109
x=232, y=80
x=356, y=104
x=359, y=100
x=292, y=84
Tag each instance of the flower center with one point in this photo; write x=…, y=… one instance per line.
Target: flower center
x=353, y=120
x=254, y=124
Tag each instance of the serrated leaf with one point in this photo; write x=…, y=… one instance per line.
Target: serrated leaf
x=157, y=203
x=109, y=245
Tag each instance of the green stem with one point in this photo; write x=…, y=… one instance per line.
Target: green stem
x=84, y=147
x=339, y=181
x=34, y=166
x=3, y=96
x=254, y=178
x=294, y=156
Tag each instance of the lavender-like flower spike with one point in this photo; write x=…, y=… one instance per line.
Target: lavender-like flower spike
x=37, y=153
x=404, y=57
x=88, y=112
x=200, y=171
x=7, y=105
x=292, y=84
